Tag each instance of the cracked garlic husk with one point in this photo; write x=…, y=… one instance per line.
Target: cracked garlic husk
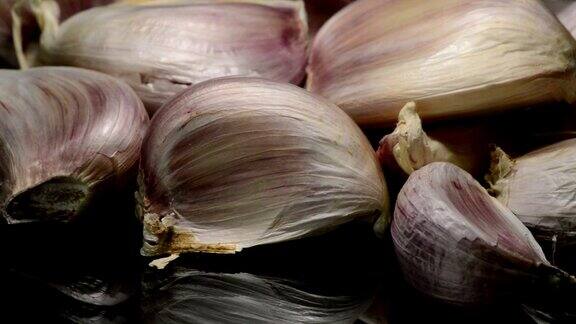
x=161, y=48
x=63, y=133
x=458, y=244
x=237, y=162
x=454, y=58
x=409, y=148
x=539, y=188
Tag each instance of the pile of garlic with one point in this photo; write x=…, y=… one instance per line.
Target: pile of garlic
x=259, y=128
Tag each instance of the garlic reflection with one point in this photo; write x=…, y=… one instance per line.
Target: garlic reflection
x=193, y=296
x=63, y=131
x=237, y=162
x=539, y=189
x=453, y=58
x=161, y=48
x=458, y=244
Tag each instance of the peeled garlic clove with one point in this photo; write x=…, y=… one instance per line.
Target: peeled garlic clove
x=63, y=132
x=161, y=48
x=238, y=162
x=565, y=10
x=458, y=244
x=410, y=148
x=539, y=188
x=453, y=58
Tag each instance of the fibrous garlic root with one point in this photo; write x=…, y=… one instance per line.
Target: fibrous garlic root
x=237, y=162
x=163, y=47
x=458, y=244
x=63, y=131
x=453, y=57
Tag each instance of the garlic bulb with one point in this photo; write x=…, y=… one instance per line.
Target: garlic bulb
x=237, y=162
x=539, y=188
x=453, y=57
x=458, y=244
x=410, y=148
x=161, y=48
x=63, y=132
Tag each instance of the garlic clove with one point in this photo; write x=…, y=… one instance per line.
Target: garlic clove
x=458, y=244
x=538, y=188
x=237, y=162
x=161, y=48
x=64, y=132
x=454, y=58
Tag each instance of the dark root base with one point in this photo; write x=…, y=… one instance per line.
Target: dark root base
x=59, y=199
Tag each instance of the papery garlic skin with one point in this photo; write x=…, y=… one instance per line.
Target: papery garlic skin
x=80, y=126
x=162, y=48
x=452, y=57
x=237, y=162
x=458, y=244
x=539, y=188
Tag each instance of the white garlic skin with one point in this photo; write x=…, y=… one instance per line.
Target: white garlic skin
x=163, y=48
x=458, y=244
x=539, y=187
x=453, y=57
x=237, y=162
x=65, y=122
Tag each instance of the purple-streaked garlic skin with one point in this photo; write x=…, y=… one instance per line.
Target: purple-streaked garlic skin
x=161, y=49
x=458, y=244
x=453, y=57
x=539, y=188
x=65, y=122
x=236, y=162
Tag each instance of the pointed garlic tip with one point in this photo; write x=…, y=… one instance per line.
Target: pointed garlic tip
x=454, y=58
x=411, y=148
x=539, y=188
x=501, y=167
x=236, y=162
x=64, y=133
x=161, y=48
x=446, y=226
